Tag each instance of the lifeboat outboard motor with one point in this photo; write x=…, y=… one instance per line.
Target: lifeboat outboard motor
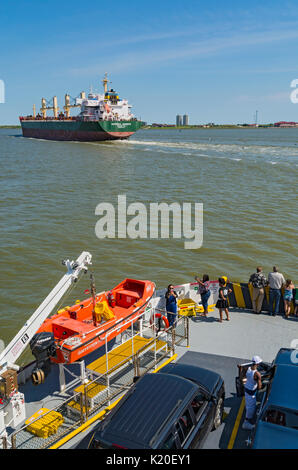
x=42, y=347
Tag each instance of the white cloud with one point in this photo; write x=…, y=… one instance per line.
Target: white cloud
x=204, y=48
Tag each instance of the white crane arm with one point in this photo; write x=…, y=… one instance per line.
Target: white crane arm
x=15, y=348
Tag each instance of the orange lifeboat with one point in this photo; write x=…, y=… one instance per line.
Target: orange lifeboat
x=84, y=327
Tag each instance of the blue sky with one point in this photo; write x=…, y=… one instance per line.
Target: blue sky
x=218, y=61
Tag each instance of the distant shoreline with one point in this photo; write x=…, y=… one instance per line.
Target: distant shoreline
x=219, y=126
x=10, y=127
x=227, y=126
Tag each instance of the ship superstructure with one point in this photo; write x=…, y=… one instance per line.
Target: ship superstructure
x=104, y=107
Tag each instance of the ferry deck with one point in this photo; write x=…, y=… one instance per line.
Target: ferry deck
x=203, y=341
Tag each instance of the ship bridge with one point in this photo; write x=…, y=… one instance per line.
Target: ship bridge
x=112, y=96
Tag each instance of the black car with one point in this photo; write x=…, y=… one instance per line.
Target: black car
x=172, y=409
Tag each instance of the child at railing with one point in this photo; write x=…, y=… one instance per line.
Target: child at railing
x=288, y=297
x=204, y=290
x=222, y=303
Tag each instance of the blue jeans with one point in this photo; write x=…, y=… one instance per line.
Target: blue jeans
x=204, y=298
x=274, y=296
x=171, y=317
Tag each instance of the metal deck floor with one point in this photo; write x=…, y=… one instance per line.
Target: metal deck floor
x=245, y=335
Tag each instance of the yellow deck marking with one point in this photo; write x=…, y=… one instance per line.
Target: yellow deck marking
x=236, y=425
x=239, y=295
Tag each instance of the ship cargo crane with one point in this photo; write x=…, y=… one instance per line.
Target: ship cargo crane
x=45, y=106
x=12, y=405
x=77, y=104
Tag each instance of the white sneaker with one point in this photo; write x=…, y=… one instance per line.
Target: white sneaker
x=246, y=425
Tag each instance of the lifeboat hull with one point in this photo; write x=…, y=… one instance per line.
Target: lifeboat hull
x=78, y=330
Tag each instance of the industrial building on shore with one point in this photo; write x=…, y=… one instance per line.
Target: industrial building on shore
x=182, y=120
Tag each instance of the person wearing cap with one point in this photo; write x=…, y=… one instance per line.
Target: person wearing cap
x=252, y=384
x=222, y=302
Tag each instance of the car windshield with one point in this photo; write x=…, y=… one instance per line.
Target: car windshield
x=281, y=417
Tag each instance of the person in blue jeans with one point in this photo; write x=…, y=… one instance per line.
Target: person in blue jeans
x=275, y=281
x=171, y=304
x=204, y=290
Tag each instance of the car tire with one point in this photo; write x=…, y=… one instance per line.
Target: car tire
x=218, y=417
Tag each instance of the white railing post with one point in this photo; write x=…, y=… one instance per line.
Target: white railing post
x=84, y=379
x=107, y=360
x=62, y=378
x=141, y=326
x=155, y=341
x=132, y=338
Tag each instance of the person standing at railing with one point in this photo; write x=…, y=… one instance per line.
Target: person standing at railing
x=171, y=304
x=295, y=300
x=222, y=303
x=275, y=280
x=204, y=290
x=288, y=297
x=259, y=282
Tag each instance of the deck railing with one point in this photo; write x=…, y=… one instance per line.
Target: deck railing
x=150, y=347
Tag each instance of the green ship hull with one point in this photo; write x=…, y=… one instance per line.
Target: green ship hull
x=75, y=130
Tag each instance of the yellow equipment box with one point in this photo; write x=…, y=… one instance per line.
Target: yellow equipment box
x=47, y=423
x=187, y=307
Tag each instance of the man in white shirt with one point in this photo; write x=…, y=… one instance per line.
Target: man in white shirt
x=252, y=385
x=275, y=281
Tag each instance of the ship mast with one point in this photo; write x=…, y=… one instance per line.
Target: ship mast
x=105, y=83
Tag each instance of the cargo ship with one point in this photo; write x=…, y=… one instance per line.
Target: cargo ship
x=102, y=117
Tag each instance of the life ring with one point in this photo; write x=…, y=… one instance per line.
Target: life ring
x=37, y=376
x=159, y=322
